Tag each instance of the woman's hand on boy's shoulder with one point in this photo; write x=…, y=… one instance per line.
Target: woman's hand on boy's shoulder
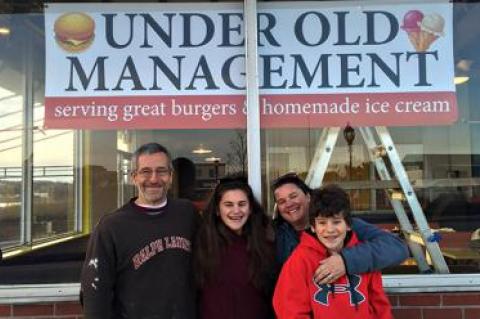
x=329, y=270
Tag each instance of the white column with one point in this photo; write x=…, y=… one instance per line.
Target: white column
x=253, y=110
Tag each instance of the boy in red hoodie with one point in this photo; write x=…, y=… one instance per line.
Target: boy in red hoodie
x=298, y=296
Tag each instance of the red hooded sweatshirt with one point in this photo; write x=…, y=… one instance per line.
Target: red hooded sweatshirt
x=297, y=296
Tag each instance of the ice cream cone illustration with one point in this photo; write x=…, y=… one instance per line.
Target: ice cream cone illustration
x=414, y=37
x=411, y=25
x=431, y=27
x=425, y=39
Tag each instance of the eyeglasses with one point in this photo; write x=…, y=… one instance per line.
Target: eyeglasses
x=148, y=172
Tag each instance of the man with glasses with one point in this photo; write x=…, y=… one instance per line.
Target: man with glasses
x=378, y=249
x=138, y=262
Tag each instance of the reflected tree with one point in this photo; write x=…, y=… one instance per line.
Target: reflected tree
x=237, y=157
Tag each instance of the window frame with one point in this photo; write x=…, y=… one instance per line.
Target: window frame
x=26, y=242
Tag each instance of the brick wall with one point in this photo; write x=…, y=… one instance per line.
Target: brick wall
x=60, y=310
x=405, y=306
x=436, y=305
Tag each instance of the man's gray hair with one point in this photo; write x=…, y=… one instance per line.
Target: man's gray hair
x=148, y=149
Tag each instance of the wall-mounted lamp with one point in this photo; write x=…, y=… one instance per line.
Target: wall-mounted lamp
x=349, y=135
x=462, y=69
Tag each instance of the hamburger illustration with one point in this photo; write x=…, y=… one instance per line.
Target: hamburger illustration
x=74, y=31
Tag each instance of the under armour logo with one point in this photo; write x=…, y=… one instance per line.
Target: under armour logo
x=323, y=292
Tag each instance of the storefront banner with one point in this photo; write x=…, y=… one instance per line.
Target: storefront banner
x=167, y=66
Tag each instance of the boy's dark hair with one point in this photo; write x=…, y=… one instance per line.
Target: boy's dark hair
x=328, y=201
x=290, y=178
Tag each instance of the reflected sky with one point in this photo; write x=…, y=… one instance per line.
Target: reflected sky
x=48, y=143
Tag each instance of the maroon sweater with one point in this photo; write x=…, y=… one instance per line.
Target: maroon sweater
x=230, y=295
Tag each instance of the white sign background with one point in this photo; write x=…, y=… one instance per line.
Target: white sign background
x=280, y=50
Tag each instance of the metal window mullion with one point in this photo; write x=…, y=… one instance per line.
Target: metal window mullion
x=78, y=180
x=253, y=110
x=27, y=147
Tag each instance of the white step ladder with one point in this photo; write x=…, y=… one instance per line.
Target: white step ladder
x=377, y=151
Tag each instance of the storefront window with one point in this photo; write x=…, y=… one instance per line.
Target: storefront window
x=61, y=172
x=38, y=170
x=440, y=162
x=445, y=183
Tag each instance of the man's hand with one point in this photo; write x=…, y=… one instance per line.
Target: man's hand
x=330, y=269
